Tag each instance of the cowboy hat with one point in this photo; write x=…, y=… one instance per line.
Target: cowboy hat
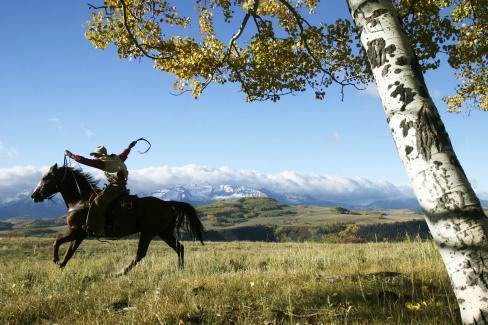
x=99, y=151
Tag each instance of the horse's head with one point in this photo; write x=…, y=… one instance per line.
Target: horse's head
x=48, y=186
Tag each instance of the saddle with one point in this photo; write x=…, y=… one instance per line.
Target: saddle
x=120, y=213
x=126, y=203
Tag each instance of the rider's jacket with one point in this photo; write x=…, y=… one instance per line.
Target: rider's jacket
x=113, y=166
x=115, y=170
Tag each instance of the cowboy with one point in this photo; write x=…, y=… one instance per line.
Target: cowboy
x=116, y=173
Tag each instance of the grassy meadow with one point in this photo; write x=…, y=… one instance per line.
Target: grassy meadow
x=226, y=283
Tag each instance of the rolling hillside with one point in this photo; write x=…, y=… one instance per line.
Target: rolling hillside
x=265, y=219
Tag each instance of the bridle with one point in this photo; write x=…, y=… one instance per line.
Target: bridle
x=59, y=182
x=40, y=190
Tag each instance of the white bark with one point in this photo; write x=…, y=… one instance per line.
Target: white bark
x=453, y=212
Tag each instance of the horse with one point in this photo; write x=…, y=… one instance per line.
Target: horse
x=151, y=216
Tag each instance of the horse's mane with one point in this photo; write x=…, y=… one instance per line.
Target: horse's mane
x=82, y=176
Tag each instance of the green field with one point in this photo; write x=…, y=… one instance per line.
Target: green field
x=227, y=283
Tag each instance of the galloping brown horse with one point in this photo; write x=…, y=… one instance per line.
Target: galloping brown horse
x=152, y=217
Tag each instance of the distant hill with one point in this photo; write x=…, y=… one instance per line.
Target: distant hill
x=24, y=207
x=259, y=211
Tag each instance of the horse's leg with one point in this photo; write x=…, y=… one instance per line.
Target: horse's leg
x=72, y=248
x=66, y=237
x=142, y=247
x=177, y=247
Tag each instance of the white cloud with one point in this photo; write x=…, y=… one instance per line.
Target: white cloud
x=327, y=187
x=88, y=132
x=57, y=123
x=8, y=153
x=19, y=178
x=334, y=188
x=336, y=136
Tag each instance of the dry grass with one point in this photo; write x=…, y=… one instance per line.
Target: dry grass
x=226, y=283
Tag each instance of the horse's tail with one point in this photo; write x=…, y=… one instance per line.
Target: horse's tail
x=188, y=219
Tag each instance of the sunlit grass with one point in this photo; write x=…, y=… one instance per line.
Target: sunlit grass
x=226, y=283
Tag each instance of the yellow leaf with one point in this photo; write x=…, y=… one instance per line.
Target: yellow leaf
x=411, y=306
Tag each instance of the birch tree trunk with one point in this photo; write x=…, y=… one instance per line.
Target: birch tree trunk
x=452, y=210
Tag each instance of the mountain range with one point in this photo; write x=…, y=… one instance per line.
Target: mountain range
x=21, y=205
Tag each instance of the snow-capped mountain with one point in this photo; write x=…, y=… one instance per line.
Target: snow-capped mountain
x=204, y=193
x=22, y=206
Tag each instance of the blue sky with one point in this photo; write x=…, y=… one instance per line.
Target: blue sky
x=58, y=92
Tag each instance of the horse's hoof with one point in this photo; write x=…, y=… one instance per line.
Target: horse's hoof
x=55, y=261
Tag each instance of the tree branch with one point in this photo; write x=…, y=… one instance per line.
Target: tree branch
x=299, y=19
x=236, y=36
x=107, y=10
x=133, y=39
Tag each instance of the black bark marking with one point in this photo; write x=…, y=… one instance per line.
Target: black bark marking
x=401, y=61
x=385, y=70
x=405, y=126
x=408, y=150
x=371, y=19
x=406, y=94
x=373, y=24
x=376, y=52
x=377, y=13
x=390, y=49
x=431, y=133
